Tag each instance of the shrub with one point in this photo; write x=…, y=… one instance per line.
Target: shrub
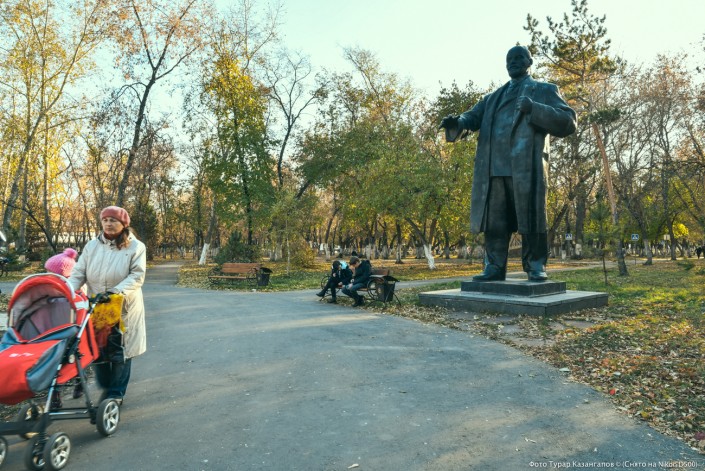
x=302, y=256
x=237, y=250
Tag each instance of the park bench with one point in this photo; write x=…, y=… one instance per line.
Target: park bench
x=380, y=288
x=253, y=274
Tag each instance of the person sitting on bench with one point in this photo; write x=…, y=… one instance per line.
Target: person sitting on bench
x=340, y=275
x=363, y=271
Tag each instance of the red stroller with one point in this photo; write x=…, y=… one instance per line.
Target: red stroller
x=48, y=345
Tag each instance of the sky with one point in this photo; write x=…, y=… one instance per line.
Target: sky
x=432, y=43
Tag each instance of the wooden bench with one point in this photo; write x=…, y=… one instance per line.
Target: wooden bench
x=251, y=273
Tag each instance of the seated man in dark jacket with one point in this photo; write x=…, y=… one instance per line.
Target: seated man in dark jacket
x=340, y=275
x=363, y=271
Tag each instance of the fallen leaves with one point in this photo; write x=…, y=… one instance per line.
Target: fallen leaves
x=651, y=367
x=646, y=350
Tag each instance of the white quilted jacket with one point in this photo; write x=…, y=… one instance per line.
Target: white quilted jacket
x=102, y=267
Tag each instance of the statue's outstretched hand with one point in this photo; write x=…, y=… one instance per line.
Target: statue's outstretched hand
x=449, y=122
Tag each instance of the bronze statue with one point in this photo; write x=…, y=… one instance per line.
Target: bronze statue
x=509, y=182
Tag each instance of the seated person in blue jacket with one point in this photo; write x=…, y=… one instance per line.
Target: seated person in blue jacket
x=363, y=271
x=340, y=275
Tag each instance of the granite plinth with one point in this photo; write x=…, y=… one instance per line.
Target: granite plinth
x=514, y=297
x=514, y=287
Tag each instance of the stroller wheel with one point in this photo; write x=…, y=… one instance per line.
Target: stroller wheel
x=108, y=417
x=34, y=455
x=56, y=451
x=3, y=449
x=28, y=412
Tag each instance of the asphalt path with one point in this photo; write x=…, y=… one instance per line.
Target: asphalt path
x=279, y=381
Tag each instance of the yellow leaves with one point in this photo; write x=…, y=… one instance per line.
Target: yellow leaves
x=233, y=91
x=680, y=230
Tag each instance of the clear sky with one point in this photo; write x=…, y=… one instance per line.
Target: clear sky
x=429, y=41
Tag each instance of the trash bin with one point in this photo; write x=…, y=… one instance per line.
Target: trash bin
x=263, y=276
x=385, y=289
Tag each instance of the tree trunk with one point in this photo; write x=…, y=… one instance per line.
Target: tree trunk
x=327, y=240
x=621, y=261
x=613, y=201
x=463, y=252
x=672, y=242
x=428, y=253
x=399, y=245
x=22, y=236
x=288, y=254
x=45, y=194
x=209, y=236
x=648, y=252
x=279, y=249
x=580, y=213
x=132, y=153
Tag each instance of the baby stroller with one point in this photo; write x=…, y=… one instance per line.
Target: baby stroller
x=48, y=345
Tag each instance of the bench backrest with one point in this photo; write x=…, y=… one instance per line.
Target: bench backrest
x=232, y=267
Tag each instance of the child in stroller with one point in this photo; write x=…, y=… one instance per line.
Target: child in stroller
x=49, y=343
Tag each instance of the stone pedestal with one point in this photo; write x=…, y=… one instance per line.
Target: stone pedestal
x=514, y=297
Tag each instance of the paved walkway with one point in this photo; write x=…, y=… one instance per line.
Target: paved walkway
x=278, y=381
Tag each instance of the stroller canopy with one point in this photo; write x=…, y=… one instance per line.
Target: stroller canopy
x=42, y=302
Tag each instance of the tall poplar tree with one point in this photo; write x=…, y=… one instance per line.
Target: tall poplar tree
x=575, y=55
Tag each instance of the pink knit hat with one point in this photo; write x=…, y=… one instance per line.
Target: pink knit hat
x=62, y=263
x=116, y=212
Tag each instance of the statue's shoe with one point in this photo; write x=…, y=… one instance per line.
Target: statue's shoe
x=538, y=276
x=491, y=273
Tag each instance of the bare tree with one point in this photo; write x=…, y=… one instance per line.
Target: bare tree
x=288, y=90
x=155, y=37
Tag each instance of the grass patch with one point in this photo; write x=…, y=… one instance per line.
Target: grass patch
x=650, y=356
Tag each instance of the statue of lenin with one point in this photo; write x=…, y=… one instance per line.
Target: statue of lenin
x=509, y=183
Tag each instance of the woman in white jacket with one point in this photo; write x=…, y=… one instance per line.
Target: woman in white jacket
x=115, y=262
